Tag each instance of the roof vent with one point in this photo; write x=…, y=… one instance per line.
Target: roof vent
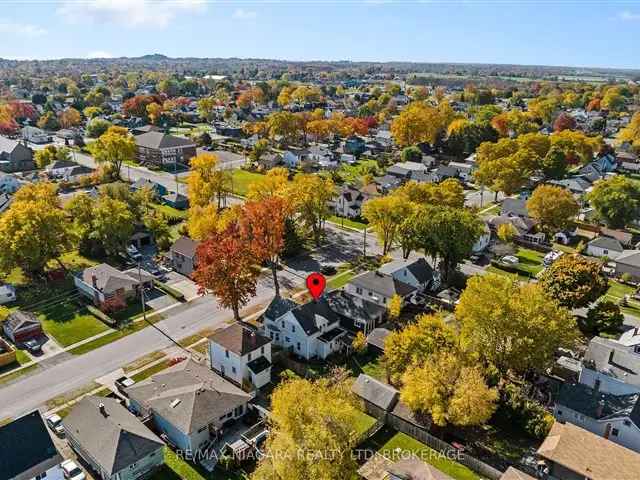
x=175, y=403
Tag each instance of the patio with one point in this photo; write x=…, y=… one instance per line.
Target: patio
x=239, y=439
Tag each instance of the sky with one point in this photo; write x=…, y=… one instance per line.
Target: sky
x=602, y=33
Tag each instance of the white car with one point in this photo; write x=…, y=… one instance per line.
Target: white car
x=55, y=424
x=72, y=471
x=510, y=260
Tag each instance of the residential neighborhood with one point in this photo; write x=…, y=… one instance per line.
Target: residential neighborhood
x=218, y=266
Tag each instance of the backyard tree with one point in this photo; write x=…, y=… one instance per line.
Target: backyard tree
x=202, y=221
x=631, y=133
x=386, y=215
x=411, y=154
x=207, y=181
x=262, y=225
x=554, y=207
x=114, y=147
x=419, y=123
x=227, y=267
x=604, y=317
x=313, y=429
x=574, y=281
x=554, y=163
x=273, y=184
x=449, y=390
x=69, y=118
x=616, y=200
x=112, y=224
x=311, y=195
x=501, y=319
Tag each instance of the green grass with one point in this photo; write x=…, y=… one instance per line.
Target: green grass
x=516, y=276
x=616, y=293
x=368, y=363
x=530, y=260
x=354, y=173
x=171, y=212
x=347, y=222
x=242, y=179
x=395, y=445
x=22, y=357
x=340, y=280
x=364, y=422
x=175, y=468
x=69, y=323
x=17, y=374
x=148, y=372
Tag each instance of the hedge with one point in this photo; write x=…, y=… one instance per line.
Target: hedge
x=102, y=316
x=169, y=290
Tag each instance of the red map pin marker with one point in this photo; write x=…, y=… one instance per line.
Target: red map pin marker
x=315, y=284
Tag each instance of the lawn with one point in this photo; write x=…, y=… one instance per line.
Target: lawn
x=369, y=364
x=148, y=372
x=68, y=322
x=354, y=173
x=347, y=222
x=18, y=373
x=530, y=264
x=616, y=293
x=340, y=280
x=364, y=422
x=242, y=179
x=170, y=212
x=396, y=445
x=175, y=468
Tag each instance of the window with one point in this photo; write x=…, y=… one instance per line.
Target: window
x=370, y=294
x=282, y=323
x=559, y=413
x=596, y=384
x=262, y=350
x=293, y=328
x=615, y=432
x=298, y=346
x=627, y=423
x=249, y=356
x=358, y=290
x=233, y=369
x=636, y=349
x=226, y=353
x=287, y=339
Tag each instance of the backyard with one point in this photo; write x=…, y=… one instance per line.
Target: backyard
x=176, y=468
x=242, y=179
x=617, y=292
x=528, y=266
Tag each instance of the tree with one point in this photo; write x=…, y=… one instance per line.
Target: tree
x=273, y=184
x=554, y=207
x=157, y=224
x=395, y=307
x=259, y=149
x=359, y=343
x=554, y=163
x=50, y=154
x=501, y=320
x=613, y=100
x=449, y=193
x=97, y=127
x=603, y=317
x=227, y=267
x=385, y=215
x=206, y=108
x=631, y=133
x=202, y=221
x=415, y=343
x=207, y=180
x=48, y=121
x=615, y=200
x=419, y=123
x=114, y=147
x=69, y=118
x=576, y=145
x=112, y=224
x=262, y=224
x=564, y=121
x=574, y=281
x=311, y=195
x=411, y=154
x=449, y=390
x=312, y=432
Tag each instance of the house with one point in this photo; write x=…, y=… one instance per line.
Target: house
x=7, y=294
x=189, y=403
x=606, y=163
x=108, y=287
x=379, y=288
x=602, y=246
x=515, y=207
x=349, y=202
x=578, y=185
x=112, y=440
x=628, y=262
x=183, y=255
x=572, y=453
x=354, y=145
x=464, y=170
x=406, y=170
x=523, y=226
x=613, y=366
x=15, y=157
x=161, y=149
x=614, y=417
x=293, y=158
x=35, y=135
x=27, y=451
x=240, y=354
x=144, y=129
x=415, y=272
x=376, y=338
x=144, y=183
x=444, y=172
x=310, y=330
x=21, y=326
x=176, y=200
x=388, y=182
x=357, y=314
x=5, y=201
x=592, y=172
x=484, y=240
x=58, y=168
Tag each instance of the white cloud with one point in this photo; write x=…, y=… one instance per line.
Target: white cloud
x=22, y=29
x=242, y=14
x=629, y=16
x=100, y=54
x=130, y=13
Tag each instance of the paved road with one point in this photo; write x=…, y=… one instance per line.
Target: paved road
x=74, y=372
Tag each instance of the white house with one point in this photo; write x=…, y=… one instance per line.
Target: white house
x=292, y=158
x=239, y=353
x=349, y=202
x=483, y=241
x=35, y=135
x=602, y=246
x=614, y=417
x=415, y=272
x=8, y=183
x=311, y=330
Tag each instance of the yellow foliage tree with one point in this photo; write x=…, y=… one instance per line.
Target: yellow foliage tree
x=207, y=181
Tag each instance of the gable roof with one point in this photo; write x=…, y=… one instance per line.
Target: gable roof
x=107, y=278
x=415, y=469
x=383, y=284
x=239, y=339
x=7, y=145
x=352, y=307
x=26, y=448
x=21, y=319
x=514, y=206
x=419, y=268
x=157, y=140
x=599, y=405
x=278, y=307
x=188, y=396
x=614, y=359
x=375, y=392
x=113, y=436
x=378, y=336
x=513, y=474
x=630, y=258
x=589, y=455
x=185, y=246
x=607, y=243
x=307, y=315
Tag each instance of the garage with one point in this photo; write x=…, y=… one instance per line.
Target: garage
x=22, y=326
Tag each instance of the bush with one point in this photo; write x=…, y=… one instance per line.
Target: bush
x=528, y=415
x=102, y=316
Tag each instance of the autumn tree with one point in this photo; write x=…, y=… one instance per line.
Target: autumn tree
x=450, y=390
x=554, y=164
x=97, y=127
x=311, y=195
x=202, y=221
x=616, y=200
x=50, y=154
x=262, y=225
x=69, y=118
x=227, y=268
x=385, y=215
x=605, y=316
x=554, y=207
x=113, y=148
x=207, y=181
x=501, y=319
x=574, y=281
x=419, y=123
x=576, y=145
x=411, y=154
x=273, y=184
x=564, y=121
x=313, y=428
x=631, y=133
x=112, y=224
x=449, y=193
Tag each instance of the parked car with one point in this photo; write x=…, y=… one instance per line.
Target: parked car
x=33, y=346
x=72, y=471
x=55, y=424
x=551, y=257
x=328, y=270
x=133, y=253
x=510, y=260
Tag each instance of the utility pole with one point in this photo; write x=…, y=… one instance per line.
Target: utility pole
x=364, y=244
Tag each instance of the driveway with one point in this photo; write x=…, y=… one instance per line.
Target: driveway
x=183, y=284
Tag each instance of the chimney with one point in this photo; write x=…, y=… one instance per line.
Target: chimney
x=94, y=281
x=600, y=408
x=103, y=410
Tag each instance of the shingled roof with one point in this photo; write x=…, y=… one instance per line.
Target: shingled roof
x=239, y=339
x=157, y=140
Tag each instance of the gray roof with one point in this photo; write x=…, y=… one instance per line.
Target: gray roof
x=599, y=405
x=375, y=392
x=278, y=307
x=378, y=336
x=307, y=315
x=239, y=338
x=419, y=267
x=185, y=246
x=21, y=319
x=161, y=140
x=26, y=448
x=415, y=469
x=189, y=396
x=7, y=145
x=514, y=206
x=613, y=359
x=116, y=439
x=383, y=284
x=353, y=307
x=607, y=243
x=107, y=278
x=629, y=257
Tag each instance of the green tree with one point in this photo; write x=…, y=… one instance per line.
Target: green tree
x=615, y=200
x=411, y=154
x=385, y=215
x=112, y=225
x=554, y=163
x=603, y=317
x=113, y=148
x=512, y=326
x=574, y=281
x=312, y=194
x=554, y=207
x=97, y=127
